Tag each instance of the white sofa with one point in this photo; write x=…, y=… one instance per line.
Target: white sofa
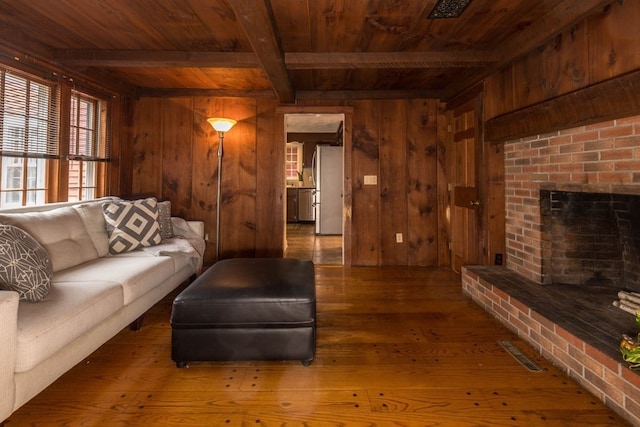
x=92, y=296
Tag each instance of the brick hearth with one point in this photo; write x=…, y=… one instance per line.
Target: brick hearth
x=577, y=332
x=574, y=326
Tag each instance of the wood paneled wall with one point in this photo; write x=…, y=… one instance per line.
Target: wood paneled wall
x=599, y=48
x=396, y=140
x=174, y=157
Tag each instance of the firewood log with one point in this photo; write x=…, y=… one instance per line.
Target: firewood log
x=625, y=306
x=627, y=296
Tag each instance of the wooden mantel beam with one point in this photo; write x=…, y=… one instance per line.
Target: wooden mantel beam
x=608, y=100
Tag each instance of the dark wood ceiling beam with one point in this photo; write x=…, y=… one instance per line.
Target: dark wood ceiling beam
x=148, y=58
x=356, y=60
x=214, y=93
x=368, y=94
x=293, y=60
x=255, y=18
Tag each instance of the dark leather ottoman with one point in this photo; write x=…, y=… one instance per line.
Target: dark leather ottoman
x=247, y=309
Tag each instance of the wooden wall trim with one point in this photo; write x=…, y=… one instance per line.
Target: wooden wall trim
x=611, y=99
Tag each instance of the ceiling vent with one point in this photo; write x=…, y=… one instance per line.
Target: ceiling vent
x=449, y=9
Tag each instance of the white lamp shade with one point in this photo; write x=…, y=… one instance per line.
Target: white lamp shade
x=221, y=124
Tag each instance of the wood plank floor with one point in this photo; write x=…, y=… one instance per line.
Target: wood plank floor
x=397, y=346
x=304, y=243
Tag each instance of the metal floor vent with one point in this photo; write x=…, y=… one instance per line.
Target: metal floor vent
x=519, y=356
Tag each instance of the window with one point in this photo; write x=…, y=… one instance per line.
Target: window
x=87, y=145
x=293, y=160
x=31, y=152
x=29, y=129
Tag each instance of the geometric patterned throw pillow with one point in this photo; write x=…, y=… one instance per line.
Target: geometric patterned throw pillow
x=131, y=225
x=25, y=266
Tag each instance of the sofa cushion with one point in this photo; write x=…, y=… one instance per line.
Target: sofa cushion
x=61, y=233
x=25, y=266
x=164, y=220
x=93, y=220
x=131, y=225
x=70, y=310
x=137, y=274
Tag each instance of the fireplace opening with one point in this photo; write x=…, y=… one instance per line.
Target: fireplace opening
x=591, y=239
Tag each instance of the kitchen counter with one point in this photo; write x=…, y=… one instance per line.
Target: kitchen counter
x=300, y=204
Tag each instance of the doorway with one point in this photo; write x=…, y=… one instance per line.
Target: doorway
x=314, y=219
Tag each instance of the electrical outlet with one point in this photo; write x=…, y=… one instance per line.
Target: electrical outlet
x=398, y=237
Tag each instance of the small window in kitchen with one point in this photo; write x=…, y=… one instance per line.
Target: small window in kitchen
x=293, y=160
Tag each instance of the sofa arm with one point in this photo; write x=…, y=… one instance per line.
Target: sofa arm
x=184, y=228
x=197, y=227
x=8, y=337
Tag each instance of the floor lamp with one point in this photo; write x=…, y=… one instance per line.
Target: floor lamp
x=221, y=126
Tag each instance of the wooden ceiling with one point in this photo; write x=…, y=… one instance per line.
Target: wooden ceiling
x=290, y=49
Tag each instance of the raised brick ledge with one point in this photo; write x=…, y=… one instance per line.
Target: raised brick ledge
x=574, y=327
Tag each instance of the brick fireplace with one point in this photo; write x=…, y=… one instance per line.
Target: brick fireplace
x=601, y=158
x=594, y=170
x=590, y=239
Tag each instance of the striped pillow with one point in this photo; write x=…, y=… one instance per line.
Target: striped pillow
x=132, y=225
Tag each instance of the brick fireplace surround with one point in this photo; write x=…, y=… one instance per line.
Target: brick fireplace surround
x=599, y=158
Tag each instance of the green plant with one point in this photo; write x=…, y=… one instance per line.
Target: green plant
x=630, y=347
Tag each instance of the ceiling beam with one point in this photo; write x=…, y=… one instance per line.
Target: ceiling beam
x=214, y=93
x=151, y=58
x=368, y=94
x=359, y=60
x=255, y=17
x=293, y=60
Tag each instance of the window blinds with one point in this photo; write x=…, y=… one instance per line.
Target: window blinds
x=89, y=139
x=29, y=117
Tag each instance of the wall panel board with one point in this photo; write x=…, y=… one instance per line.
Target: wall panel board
x=393, y=181
x=147, y=147
x=422, y=226
x=365, y=211
x=177, y=155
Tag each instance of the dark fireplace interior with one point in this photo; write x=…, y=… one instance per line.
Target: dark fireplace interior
x=591, y=239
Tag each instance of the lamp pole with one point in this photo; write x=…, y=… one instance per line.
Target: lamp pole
x=220, y=125
x=221, y=138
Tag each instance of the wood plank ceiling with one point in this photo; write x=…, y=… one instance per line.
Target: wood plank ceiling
x=290, y=49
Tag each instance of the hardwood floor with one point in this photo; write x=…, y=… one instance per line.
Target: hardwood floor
x=396, y=346
x=303, y=243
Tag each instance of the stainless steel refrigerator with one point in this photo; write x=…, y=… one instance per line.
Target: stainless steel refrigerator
x=327, y=175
